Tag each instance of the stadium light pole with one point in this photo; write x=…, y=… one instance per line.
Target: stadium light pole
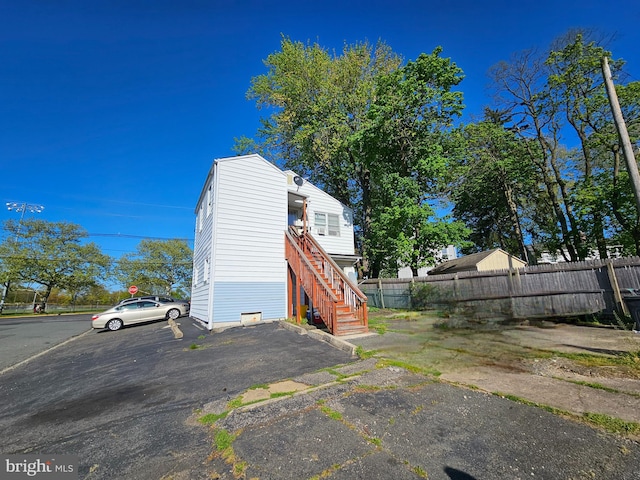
x=21, y=208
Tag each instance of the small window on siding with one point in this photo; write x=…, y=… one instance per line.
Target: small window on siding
x=321, y=223
x=327, y=224
x=334, y=225
x=200, y=215
x=206, y=270
x=209, y=200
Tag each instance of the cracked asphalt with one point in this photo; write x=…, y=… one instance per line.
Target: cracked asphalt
x=381, y=423
x=128, y=404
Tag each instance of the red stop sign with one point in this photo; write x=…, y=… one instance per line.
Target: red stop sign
x=133, y=289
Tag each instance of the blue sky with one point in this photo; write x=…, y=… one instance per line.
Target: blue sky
x=111, y=112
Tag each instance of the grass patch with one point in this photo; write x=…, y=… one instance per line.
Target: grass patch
x=339, y=376
x=294, y=321
x=235, y=403
x=612, y=424
x=605, y=422
x=597, y=386
x=386, y=362
x=375, y=440
x=327, y=473
x=624, y=359
x=515, y=398
x=211, y=418
x=239, y=468
x=381, y=329
x=223, y=440
x=201, y=337
x=329, y=412
x=281, y=394
x=368, y=388
x=421, y=472
x=223, y=447
x=259, y=386
x=364, y=354
x=194, y=346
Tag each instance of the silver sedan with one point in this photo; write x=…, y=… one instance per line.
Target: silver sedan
x=137, y=312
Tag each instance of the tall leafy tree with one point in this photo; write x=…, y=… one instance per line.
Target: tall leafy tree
x=409, y=142
x=349, y=120
x=554, y=98
x=619, y=198
x=575, y=82
x=319, y=101
x=521, y=92
x=52, y=254
x=492, y=189
x=158, y=266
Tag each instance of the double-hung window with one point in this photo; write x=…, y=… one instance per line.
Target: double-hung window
x=327, y=224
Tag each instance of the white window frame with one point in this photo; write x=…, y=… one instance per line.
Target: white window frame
x=327, y=224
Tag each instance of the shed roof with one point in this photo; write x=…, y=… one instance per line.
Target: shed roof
x=470, y=262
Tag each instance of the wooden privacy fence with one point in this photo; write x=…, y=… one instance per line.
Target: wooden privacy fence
x=563, y=289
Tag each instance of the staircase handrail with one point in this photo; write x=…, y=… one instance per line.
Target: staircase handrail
x=324, y=299
x=356, y=290
x=308, y=264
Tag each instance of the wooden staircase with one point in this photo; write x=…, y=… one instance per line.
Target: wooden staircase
x=340, y=303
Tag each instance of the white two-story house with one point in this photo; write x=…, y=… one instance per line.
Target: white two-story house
x=248, y=212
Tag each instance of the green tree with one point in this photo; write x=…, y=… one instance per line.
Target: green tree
x=158, y=266
x=522, y=93
x=409, y=144
x=319, y=102
x=619, y=198
x=492, y=187
x=348, y=121
x=583, y=202
x=575, y=82
x=52, y=254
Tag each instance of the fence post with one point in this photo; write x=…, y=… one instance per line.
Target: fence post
x=381, y=294
x=613, y=280
x=455, y=287
x=411, y=290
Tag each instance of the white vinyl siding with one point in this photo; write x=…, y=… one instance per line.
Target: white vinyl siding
x=239, y=263
x=338, y=238
x=245, y=236
x=202, y=250
x=251, y=221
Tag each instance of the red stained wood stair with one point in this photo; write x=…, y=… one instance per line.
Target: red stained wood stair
x=340, y=303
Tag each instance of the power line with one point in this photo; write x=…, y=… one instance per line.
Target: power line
x=124, y=235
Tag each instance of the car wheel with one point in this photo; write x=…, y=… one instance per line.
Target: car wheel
x=173, y=313
x=114, y=324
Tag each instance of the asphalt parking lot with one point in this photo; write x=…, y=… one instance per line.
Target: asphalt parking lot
x=122, y=400
x=128, y=404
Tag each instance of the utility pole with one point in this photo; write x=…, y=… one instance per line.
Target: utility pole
x=627, y=149
x=20, y=207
